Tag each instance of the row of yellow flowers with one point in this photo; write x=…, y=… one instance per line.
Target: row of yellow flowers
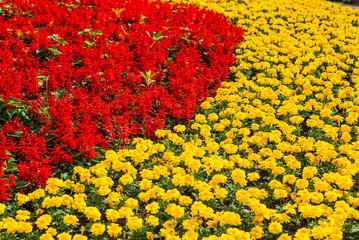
x=275, y=155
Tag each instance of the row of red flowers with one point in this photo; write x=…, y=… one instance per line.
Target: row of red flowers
x=78, y=76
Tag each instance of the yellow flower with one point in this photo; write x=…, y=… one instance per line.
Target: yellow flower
x=125, y=212
x=92, y=213
x=70, y=220
x=275, y=228
x=302, y=183
x=179, y=128
x=51, y=231
x=22, y=215
x=238, y=176
x=22, y=198
x=46, y=236
x=112, y=215
x=134, y=223
x=152, y=221
x=114, y=230
x=280, y=193
x=132, y=203
x=43, y=221
x=64, y=236
x=79, y=237
x=23, y=227
x=153, y=207
x=98, y=229
x=126, y=179
x=253, y=176
x=79, y=188
x=175, y=211
x=2, y=208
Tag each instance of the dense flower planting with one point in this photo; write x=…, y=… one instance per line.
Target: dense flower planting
x=80, y=76
x=274, y=155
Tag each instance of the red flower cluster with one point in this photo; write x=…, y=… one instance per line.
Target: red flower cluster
x=81, y=75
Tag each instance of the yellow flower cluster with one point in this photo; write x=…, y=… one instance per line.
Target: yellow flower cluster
x=274, y=155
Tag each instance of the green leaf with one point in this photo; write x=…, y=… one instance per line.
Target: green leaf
x=157, y=36
x=60, y=93
x=77, y=61
x=13, y=101
x=22, y=184
x=67, y=176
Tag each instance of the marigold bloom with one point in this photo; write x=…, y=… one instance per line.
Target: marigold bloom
x=114, y=230
x=70, y=220
x=275, y=228
x=98, y=229
x=43, y=221
x=92, y=213
x=134, y=223
x=64, y=236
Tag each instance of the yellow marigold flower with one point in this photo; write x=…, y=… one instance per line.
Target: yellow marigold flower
x=280, y=193
x=145, y=184
x=285, y=236
x=152, y=221
x=22, y=215
x=113, y=198
x=114, y=230
x=243, y=196
x=79, y=188
x=112, y=215
x=185, y=201
x=70, y=220
x=171, y=195
x=51, y=231
x=256, y=232
x=230, y=218
x=39, y=211
x=253, y=176
x=46, y=236
x=175, y=211
x=37, y=194
x=23, y=227
x=238, y=234
x=64, y=236
x=316, y=197
x=200, y=118
x=126, y=179
x=134, y=223
x=53, y=185
x=22, y=198
x=179, y=128
x=132, y=203
x=303, y=233
x=153, y=208
x=79, y=237
x=206, y=105
x=98, y=229
x=125, y=212
x=344, y=182
x=2, y=208
x=92, y=213
x=220, y=193
x=275, y=228
x=238, y=176
x=205, y=195
x=103, y=191
x=212, y=117
x=43, y=221
x=309, y=172
x=302, y=183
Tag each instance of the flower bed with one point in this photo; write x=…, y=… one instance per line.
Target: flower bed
x=274, y=155
x=80, y=76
